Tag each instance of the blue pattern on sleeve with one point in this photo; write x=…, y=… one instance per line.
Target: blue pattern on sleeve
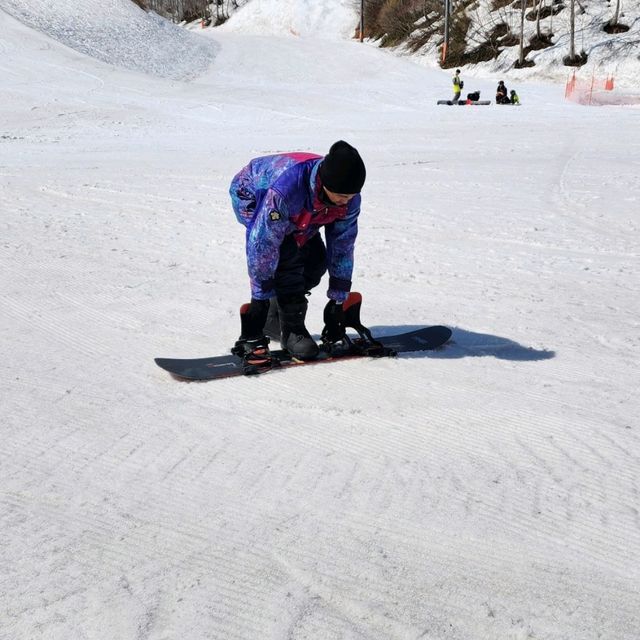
x=267, y=197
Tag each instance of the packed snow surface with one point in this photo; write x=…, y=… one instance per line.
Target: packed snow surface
x=486, y=491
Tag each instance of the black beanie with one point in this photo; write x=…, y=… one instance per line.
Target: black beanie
x=342, y=170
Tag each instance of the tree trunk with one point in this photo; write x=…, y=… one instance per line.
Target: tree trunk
x=540, y=6
x=616, y=15
x=523, y=8
x=572, y=31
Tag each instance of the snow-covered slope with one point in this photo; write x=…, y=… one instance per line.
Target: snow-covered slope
x=607, y=54
x=616, y=55
x=488, y=491
x=117, y=32
x=328, y=20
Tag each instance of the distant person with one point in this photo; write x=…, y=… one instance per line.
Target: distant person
x=502, y=95
x=458, y=84
x=283, y=201
x=514, y=97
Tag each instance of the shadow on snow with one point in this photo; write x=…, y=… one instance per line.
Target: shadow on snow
x=466, y=344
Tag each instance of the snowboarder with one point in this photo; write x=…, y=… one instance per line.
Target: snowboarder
x=514, y=97
x=502, y=96
x=283, y=200
x=458, y=84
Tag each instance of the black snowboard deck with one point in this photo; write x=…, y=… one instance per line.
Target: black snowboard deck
x=227, y=366
x=465, y=102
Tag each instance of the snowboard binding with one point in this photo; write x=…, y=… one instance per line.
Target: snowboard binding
x=365, y=344
x=255, y=355
x=254, y=352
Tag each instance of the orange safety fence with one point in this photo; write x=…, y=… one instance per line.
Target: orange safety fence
x=582, y=90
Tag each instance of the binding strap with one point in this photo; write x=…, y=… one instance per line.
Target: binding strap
x=365, y=344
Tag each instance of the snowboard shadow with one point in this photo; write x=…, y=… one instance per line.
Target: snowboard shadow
x=469, y=344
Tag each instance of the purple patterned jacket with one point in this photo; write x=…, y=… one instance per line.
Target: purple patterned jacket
x=276, y=196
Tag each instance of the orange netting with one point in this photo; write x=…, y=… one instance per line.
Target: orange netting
x=582, y=90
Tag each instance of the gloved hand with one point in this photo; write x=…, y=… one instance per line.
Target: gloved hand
x=334, y=328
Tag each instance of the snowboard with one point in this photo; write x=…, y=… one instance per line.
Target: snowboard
x=465, y=102
x=228, y=366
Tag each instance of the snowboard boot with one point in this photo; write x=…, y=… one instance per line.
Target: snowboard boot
x=272, y=325
x=252, y=345
x=295, y=338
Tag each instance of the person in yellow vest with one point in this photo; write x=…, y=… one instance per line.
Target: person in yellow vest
x=514, y=97
x=458, y=84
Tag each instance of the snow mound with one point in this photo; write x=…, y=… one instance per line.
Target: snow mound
x=331, y=21
x=119, y=33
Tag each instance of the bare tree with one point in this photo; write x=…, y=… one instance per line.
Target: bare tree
x=523, y=8
x=616, y=15
x=572, y=31
x=540, y=5
x=614, y=25
x=573, y=59
x=177, y=10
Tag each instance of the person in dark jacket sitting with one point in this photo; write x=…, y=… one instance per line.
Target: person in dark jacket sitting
x=502, y=95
